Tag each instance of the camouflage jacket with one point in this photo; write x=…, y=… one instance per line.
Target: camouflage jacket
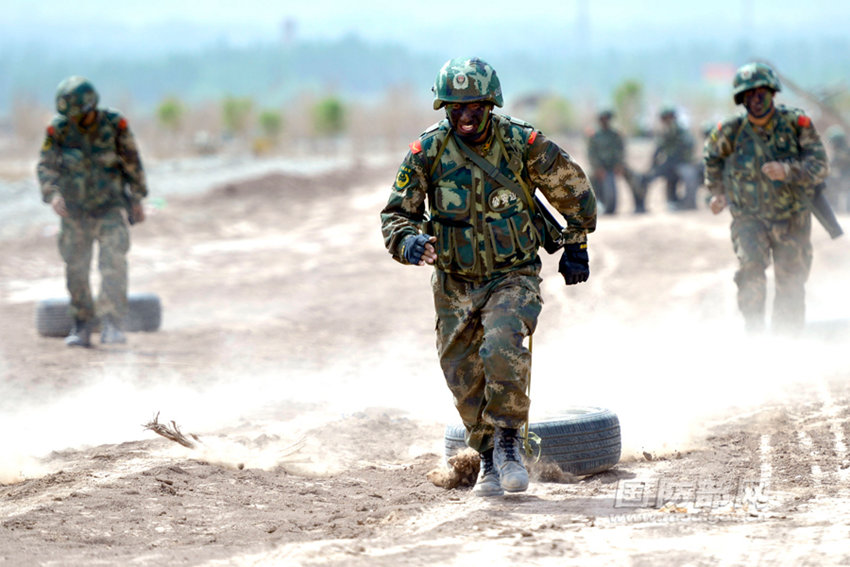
x=605, y=149
x=484, y=229
x=673, y=147
x=733, y=161
x=90, y=166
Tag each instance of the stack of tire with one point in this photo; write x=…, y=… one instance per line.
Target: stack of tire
x=581, y=440
x=144, y=314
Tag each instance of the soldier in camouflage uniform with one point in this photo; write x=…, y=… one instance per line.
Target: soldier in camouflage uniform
x=90, y=172
x=478, y=228
x=607, y=154
x=839, y=169
x=673, y=160
x=761, y=163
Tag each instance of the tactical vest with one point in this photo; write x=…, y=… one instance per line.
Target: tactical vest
x=483, y=229
x=91, y=178
x=750, y=191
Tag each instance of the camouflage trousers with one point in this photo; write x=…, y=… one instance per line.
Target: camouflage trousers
x=789, y=243
x=76, y=244
x=480, y=333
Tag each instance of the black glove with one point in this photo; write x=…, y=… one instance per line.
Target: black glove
x=574, y=264
x=413, y=246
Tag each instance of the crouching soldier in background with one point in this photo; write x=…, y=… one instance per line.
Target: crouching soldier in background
x=475, y=173
x=673, y=160
x=838, y=184
x=90, y=172
x=765, y=164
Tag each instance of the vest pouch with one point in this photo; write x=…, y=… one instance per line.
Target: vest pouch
x=501, y=239
x=455, y=248
x=527, y=235
x=452, y=202
x=746, y=192
x=464, y=247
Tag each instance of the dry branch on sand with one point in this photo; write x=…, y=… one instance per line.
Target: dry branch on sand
x=172, y=433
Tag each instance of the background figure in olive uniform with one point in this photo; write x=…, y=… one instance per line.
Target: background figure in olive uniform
x=606, y=152
x=673, y=160
x=482, y=238
x=838, y=184
x=759, y=163
x=89, y=171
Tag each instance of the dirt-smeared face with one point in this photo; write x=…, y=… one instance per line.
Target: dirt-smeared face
x=469, y=119
x=758, y=101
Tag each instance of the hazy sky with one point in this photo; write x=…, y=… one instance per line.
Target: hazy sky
x=437, y=22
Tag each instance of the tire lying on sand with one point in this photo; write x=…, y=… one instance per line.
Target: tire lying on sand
x=580, y=440
x=144, y=313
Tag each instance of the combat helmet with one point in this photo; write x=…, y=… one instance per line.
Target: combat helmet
x=466, y=80
x=751, y=76
x=76, y=96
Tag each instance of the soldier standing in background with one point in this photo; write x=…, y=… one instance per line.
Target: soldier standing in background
x=765, y=164
x=673, y=160
x=839, y=169
x=475, y=172
x=606, y=152
x=90, y=172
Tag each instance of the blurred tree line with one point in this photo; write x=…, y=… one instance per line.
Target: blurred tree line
x=271, y=95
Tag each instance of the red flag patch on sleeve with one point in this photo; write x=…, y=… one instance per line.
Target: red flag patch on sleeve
x=122, y=124
x=804, y=121
x=532, y=137
x=51, y=131
x=416, y=147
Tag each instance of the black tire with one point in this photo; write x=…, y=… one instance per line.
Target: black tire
x=581, y=441
x=144, y=314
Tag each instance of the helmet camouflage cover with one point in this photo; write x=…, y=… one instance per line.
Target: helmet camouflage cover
x=76, y=96
x=466, y=80
x=751, y=76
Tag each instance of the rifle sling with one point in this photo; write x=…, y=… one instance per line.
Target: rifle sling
x=493, y=172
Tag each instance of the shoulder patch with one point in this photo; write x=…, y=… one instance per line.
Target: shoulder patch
x=416, y=147
x=122, y=124
x=532, y=137
x=51, y=131
x=804, y=121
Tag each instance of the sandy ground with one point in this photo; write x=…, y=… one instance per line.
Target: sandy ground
x=303, y=357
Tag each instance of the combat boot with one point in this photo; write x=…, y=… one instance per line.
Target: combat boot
x=512, y=474
x=111, y=333
x=487, y=483
x=80, y=334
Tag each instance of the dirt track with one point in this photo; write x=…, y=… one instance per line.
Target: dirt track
x=301, y=353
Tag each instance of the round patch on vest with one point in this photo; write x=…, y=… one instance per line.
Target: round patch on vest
x=502, y=199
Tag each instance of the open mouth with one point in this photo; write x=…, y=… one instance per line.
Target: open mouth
x=466, y=128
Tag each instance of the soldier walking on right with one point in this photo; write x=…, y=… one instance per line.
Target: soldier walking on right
x=606, y=151
x=765, y=164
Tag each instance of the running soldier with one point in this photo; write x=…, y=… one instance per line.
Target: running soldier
x=462, y=202
x=765, y=164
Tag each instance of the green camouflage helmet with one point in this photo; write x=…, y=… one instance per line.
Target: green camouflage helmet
x=76, y=96
x=751, y=76
x=466, y=80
